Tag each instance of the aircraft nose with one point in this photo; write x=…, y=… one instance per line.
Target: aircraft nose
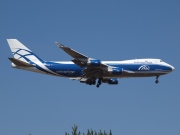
x=172, y=68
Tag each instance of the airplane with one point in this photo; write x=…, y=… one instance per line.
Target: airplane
x=85, y=69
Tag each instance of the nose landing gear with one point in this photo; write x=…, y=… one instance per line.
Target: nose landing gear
x=157, y=81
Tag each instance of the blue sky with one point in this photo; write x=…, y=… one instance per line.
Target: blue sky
x=37, y=104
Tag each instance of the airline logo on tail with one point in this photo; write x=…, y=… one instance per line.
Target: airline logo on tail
x=21, y=52
x=25, y=57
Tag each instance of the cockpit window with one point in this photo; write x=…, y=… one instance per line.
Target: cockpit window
x=161, y=61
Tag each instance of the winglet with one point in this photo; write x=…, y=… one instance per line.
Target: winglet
x=59, y=44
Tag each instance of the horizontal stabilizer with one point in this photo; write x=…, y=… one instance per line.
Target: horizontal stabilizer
x=20, y=63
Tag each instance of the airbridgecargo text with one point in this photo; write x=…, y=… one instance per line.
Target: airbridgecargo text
x=65, y=72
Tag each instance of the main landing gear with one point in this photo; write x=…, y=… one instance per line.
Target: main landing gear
x=99, y=82
x=157, y=81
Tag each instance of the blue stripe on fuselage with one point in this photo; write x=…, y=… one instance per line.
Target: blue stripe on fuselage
x=72, y=70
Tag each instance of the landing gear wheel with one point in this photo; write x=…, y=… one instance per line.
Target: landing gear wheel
x=99, y=82
x=156, y=81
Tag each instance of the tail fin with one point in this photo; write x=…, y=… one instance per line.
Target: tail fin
x=21, y=52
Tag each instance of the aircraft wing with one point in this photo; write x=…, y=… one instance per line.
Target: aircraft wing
x=79, y=59
x=71, y=52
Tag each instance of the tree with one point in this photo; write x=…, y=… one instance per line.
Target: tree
x=75, y=131
x=89, y=132
x=110, y=132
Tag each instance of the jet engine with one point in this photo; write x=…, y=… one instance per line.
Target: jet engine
x=88, y=81
x=94, y=63
x=111, y=81
x=116, y=71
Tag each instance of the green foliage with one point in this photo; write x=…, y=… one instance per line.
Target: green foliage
x=110, y=132
x=89, y=132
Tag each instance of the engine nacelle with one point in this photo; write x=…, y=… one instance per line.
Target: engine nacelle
x=112, y=81
x=88, y=81
x=116, y=71
x=94, y=63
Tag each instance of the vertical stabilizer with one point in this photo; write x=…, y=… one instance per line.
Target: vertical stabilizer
x=21, y=52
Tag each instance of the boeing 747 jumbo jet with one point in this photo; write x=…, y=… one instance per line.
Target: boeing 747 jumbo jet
x=85, y=69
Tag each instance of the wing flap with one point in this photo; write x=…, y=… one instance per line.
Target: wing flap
x=79, y=63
